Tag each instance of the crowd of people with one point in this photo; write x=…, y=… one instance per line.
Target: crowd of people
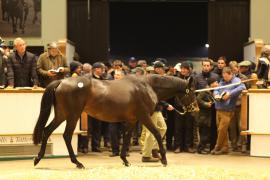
x=215, y=129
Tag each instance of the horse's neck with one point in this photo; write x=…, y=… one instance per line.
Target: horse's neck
x=170, y=88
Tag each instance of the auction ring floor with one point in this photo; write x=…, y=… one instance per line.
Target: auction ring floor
x=180, y=166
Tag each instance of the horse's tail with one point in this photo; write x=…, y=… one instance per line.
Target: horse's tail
x=47, y=101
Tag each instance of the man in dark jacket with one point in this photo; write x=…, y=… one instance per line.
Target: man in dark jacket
x=201, y=78
x=205, y=101
x=184, y=124
x=96, y=125
x=263, y=65
x=21, y=66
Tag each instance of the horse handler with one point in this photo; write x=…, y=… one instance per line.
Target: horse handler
x=149, y=143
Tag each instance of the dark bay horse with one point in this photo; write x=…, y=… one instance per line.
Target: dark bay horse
x=130, y=99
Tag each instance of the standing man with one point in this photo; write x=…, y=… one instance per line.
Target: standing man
x=97, y=126
x=225, y=106
x=202, y=82
x=149, y=143
x=21, y=66
x=221, y=63
x=51, y=65
x=184, y=124
x=202, y=78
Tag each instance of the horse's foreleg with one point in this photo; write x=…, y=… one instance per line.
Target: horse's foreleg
x=70, y=127
x=126, y=141
x=47, y=132
x=151, y=127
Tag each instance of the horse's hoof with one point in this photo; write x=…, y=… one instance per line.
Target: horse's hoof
x=164, y=162
x=80, y=166
x=127, y=164
x=36, y=160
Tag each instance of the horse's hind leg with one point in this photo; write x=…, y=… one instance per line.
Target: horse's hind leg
x=70, y=127
x=47, y=132
x=126, y=141
x=147, y=122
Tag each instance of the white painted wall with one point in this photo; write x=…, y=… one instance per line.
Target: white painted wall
x=259, y=20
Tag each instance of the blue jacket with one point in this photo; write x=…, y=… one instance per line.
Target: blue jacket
x=234, y=91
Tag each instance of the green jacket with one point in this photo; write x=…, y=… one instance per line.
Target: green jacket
x=45, y=63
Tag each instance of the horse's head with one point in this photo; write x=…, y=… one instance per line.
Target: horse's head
x=188, y=101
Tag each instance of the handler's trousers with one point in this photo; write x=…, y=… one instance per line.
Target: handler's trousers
x=223, y=119
x=150, y=142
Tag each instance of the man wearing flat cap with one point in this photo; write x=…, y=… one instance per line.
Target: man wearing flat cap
x=51, y=65
x=245, y=68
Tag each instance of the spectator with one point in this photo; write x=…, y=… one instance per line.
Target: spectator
x=142, y=63
x=21, y=66
x=87, y=69
x=132, y=63
x=245, y=68
x=264, y=62
x=221, y=63
x=202, y=78
x=97, y=126
x=184, y=124
x=75, y=68
x=205, y=101
x=51, y=65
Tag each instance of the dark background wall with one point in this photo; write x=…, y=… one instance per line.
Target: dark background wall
x=91, y=36
x=169, y=29
x=158, y=29
x=228, y=28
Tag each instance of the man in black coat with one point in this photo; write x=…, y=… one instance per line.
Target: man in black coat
x=21, y=66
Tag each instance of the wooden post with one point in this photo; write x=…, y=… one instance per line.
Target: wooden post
x=244, y=110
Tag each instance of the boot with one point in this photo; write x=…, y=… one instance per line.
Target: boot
x=155, y=154
x=149, y=159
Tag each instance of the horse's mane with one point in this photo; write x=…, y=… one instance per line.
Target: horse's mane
x=166, y=82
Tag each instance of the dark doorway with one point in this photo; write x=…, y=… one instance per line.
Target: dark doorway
x=158, y=29
x=89, y=29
